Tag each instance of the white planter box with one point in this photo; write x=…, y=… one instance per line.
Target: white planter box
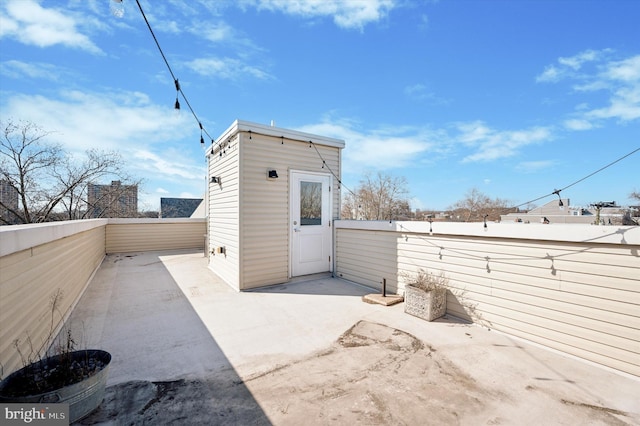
x=428, y=305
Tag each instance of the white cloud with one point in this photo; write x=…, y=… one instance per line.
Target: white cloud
x=383, y=148
x=576, y=61
x=226, y=68
x=189, y=195
x=624, y=105
x=19, y=69
x=215, y=32
x=626, y=70
x=161, y=191
x=30, y=23
x=169, y=164
x=535, y=166
x=349, y=14
x=420, y=92
x=578, y=124
x=618, y=79
x=490, y=144
x=550, y=74
x=569, y=66
x=392, y=147
x=126, y=122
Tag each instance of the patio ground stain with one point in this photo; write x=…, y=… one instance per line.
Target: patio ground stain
x=372, y=374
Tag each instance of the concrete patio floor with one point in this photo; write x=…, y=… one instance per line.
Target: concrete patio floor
x=187, y=349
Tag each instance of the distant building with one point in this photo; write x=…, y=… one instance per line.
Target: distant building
x=178, y=207
x=560, y=211
x=8, y=201
x=115, y=200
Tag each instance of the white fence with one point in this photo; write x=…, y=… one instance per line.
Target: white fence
x=574, y=288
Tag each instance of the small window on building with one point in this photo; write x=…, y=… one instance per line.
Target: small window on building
x=310, y=203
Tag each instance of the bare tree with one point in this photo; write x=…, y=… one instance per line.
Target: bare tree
x=631, y=215
x=476, y=206
x=379, y=197
x=48, y=181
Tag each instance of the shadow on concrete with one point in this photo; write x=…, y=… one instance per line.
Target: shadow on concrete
x=326, y=286
x=166, y=367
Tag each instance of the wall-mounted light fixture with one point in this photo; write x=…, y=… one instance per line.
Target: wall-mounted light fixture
x=216, y=179
x=272, y=174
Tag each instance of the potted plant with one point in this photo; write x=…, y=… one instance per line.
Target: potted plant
x=425, y=295
x=60, y=374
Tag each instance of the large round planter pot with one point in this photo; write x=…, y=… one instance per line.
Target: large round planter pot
x=83, y=396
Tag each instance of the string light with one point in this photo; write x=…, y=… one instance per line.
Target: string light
x=179, y=90
x=557, y=192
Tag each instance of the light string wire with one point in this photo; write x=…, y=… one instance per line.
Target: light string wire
x=175, y=80
x=488, y=259
x=557, y=191
x=324, y=163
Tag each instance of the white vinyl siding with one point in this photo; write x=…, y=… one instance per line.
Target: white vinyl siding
x=265, y=203
x=249, y=214
x=31, y=276
x=224, y=212
x=134, y=235
x=577, y=295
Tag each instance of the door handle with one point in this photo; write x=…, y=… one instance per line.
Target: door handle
x=296, y=229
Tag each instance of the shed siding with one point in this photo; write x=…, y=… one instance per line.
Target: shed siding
x=224, y=213
x=582, y=298
x=265, y=203
x=31, y=277
x=154, y=234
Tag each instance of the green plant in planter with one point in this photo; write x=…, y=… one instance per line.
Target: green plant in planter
x=426, y=294
x=58, y=372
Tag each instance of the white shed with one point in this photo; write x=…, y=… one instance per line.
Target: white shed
x=273, y=195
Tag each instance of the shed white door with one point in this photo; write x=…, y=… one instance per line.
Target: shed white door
x=311, y=235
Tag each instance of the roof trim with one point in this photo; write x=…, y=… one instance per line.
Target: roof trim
x=245, y=126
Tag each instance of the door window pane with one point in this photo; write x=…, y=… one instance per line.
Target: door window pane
x=310, y=203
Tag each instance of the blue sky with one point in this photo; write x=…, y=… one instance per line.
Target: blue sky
x=514, y=98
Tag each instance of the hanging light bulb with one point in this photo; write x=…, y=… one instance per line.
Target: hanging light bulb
x=117, y=8
x=176, y=109
x=557, y=192
x=176, y=106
